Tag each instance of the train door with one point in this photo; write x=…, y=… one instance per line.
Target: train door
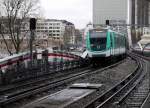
x=108, y=44
x=112, y=43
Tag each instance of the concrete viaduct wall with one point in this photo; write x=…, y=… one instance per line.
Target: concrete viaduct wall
x=140, y=17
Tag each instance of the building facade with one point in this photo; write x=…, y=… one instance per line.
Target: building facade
x=113, y=10
x=57, y=31
x=48, y=33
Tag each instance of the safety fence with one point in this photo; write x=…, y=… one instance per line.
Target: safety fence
x=20, y=67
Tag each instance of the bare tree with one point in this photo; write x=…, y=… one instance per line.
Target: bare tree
x=14, y=25
x=66, y=36
x=68, y=33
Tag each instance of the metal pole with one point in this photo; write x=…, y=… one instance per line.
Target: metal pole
x=31, y=46
x=32, y=29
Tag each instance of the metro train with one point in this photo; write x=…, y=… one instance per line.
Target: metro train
x=104, y=44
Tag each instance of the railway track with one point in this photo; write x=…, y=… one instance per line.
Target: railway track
x=130, y=93
x=136, y=98
x=20, y=89
x=12, y=97
x=139, y=92
x=36, y=81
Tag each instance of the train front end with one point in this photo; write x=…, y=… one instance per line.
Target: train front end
x=96, y=44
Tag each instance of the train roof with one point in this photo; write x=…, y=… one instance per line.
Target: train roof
x=98, y=29
x=116, y=32
x=106, y=29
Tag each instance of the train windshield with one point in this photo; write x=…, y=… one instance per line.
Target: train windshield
x=97, y=34
x=98, y=41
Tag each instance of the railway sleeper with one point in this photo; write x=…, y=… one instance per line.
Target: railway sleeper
x=140, y=94
x=145, y=89
x=134, y=104
x=137, y=97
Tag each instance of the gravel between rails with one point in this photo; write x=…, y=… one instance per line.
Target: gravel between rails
x=107, y=77
x=111, y=76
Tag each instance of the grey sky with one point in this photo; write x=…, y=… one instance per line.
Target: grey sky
x=78, y=12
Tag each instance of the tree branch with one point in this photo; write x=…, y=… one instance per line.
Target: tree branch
x=17, y=11
x=6, y=44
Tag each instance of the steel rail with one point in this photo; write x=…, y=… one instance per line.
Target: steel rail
x=110, y=99
x=37, y=81
x=146, y=100
x=148, y=95
x=141, y=78
x=106, y=97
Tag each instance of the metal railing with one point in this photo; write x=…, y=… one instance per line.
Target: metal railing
x=19, y=68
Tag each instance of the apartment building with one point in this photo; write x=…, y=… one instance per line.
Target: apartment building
x=60, y=31
x=48, y=33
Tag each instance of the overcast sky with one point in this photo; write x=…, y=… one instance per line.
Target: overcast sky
x=78, y=12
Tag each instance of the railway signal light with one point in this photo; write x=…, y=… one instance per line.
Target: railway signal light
x=32, y=23
x=32, y=29
x=107, y=22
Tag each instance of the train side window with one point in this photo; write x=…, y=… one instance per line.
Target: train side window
x=111, y=40
x=116, y=40
x=119, y=43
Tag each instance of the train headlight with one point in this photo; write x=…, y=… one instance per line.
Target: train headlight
x=92, y=45
x=98, y=46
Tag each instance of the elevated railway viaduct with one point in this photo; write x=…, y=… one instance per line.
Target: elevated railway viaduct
x=139, y=16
